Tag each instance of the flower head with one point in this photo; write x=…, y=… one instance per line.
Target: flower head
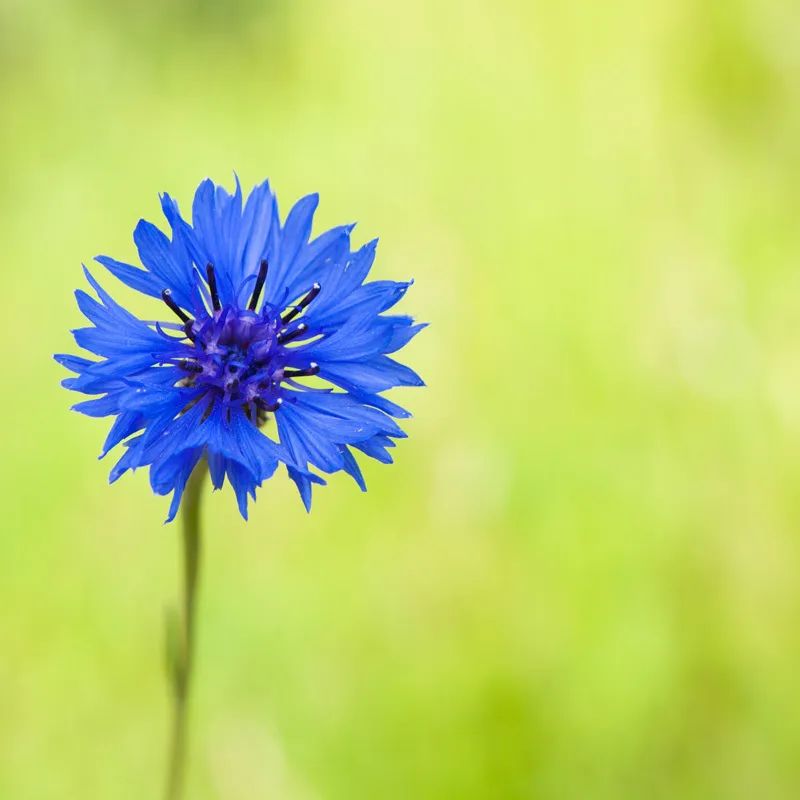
x=264, y=325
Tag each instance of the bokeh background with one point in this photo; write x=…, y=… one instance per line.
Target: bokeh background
x=580, y=578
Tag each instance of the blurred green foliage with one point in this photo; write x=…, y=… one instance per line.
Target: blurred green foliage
x=580, y=579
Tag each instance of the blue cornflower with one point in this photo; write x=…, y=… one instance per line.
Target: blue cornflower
x=259, y=309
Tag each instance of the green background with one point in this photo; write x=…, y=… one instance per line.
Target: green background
x=580, y=578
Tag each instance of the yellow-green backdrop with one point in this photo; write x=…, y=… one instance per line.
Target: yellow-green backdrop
x=581, y=579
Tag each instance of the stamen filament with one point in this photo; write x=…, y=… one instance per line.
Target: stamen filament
x=212, y=286
x=288, y=336
x=295, y=310
x=166, y=296
x=262, y=276
x=312, y=369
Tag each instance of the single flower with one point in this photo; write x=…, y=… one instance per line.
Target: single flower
x=263, y=324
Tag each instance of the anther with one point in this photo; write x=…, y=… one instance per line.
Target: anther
x=262, y=276
x=191, y=366
x=287, y=336
x=212, y=286
x=274, y=406
x=311, y=369
x=295, y=310
x=166, y=296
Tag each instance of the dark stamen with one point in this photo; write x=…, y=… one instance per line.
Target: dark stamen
x=208, y=409
x=212, y=285
x=191, y=366
x=285, y=336
x=312, y=369
x=166, y=296
x=262, y=276
x=295, y=310
x=273, y=406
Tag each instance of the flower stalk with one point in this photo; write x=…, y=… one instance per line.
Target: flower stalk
x=180, y=641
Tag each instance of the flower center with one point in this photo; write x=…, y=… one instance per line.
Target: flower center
x=240, y=356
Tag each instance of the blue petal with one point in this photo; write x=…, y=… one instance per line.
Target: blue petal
x=303, y=481
x=155, y=251
x=402, y=335
x=345, y=407
x=184, y=238
x=294, y=432
x=243, y=484
x=259, y=220
x=351, y=468
x=354, y=341
x=376, y=375
x=171, y=476
x=139, y=279
x=216, y=467
x=205, y=221
x=73, y=363
x=320, y=260
x=339, y=283
x=99, y=407
x=125, y=424
x=294, y=235
x=376, y=448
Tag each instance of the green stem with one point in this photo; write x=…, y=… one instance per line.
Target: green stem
x=183, y=647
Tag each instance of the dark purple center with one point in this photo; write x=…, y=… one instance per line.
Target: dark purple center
x=241, y=355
